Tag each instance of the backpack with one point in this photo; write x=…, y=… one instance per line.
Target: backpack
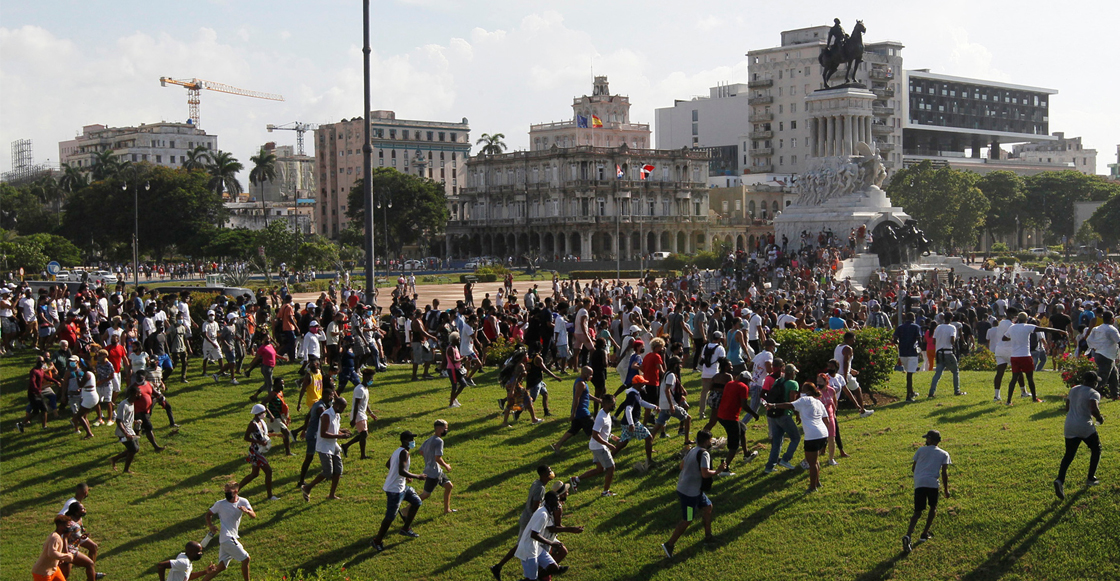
x=775, y=395
x=709, y=354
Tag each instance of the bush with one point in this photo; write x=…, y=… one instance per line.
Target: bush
x=312, y=286
x=500, y=350
x=492, y=269
x=979, y=360
x=999, y=247
x=610, y=274
x=1073, y=368
x=875, y=356
x=480, y=277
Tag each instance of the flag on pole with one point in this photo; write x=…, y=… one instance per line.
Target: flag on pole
x=618, y=170
x=581, y=121
x=596, y=122
x=646, y=170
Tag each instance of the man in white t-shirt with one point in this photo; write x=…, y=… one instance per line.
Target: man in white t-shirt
x=181, y=567
x=1022, y=364
x=945, y=340
x=1002, y=350
x=560, y=335
x=601, y=448
x=229, y=511
x=326, y=445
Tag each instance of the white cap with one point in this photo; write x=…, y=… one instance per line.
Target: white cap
x=209, y=313
x=258, y=409
x=635, y=329
x=231, y=316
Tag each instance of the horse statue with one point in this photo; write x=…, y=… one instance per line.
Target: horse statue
x=849, y=51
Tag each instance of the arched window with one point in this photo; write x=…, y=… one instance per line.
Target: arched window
x=750, y=208
x=774, y=207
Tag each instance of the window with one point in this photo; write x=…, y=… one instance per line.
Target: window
x=404, y=134
x=429, y=136
x=781, y=109
x=173, y=159
x=695, y=115
x=172, y=144
x=793, y=109
x=792, y=124
x=793, y=160
x=392, y=134
x=454, y=137
x=441, y=134
x=781, y=160
x=781, y=126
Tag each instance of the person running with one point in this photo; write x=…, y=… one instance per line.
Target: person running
x=89, y=399
x=780, y=422
x=1002, y=351
x=928, y=461
x=360, y=414
x=601, y=447
x=534, y=377
x=1104, y=340
x=632, y=427
x=813, y=415
x=844, y=354
x=103, y=375
x=671, y=403
x=227, y=339
x=1082, y=406
x=211, y=350
x=143, y=407
x=540, y=533
x=229, y=511
x=709, y=357
x=1022, y=364
x=36, y=379
x=182, y=567
x=695, y=479
x=179, y=346
x=830, y=397
x=397, y=490
x=330, y=453
x=435, y=466
x=310, y=388
x=536, y=495
x=46, y=567
x=454, y=367
x=266, y=360
x=311, y=431
x=276, y=412
x=421, y=345
x=77, y=537
x=580, y=417
x=126, y=415
x=907, y=336
x=736, y=399
x=256, y=434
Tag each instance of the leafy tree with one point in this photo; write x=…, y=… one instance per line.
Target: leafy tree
x=281, y=244
x=1087, y=235
x=1105, y=222
x=264, y=170
x=491, y=144
x=73, y=179
x=1051, y=196
x=950, y=209
x=223, y=174
x=318, y=253
x=197, y=158
x=56, y=247
x=419, y=209
x=1007, y=193
x=237, y=243
x=25, y=253
x=22, y=211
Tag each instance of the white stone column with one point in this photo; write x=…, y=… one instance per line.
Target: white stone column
x=832, y=135
x=585, y=246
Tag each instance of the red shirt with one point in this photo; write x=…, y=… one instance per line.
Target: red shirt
x=117, y=354
x=651, y=368
x=267, y=353
x=732, y=403
x=144, y=403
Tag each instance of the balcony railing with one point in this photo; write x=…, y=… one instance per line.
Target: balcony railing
x=882, y=111
x=762, y=151
x=884, y=146
x=881, y=129
x=762, y=134
x=762, y=117
x=761, y=169
x=881, y=74
x=761, y=100
x=883, y=92
x=760, y=83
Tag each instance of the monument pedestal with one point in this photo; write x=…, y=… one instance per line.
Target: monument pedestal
x=840, y=215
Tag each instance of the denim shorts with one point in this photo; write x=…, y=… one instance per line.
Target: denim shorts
x=542, y=561
x=691, y=505
x=393, y=501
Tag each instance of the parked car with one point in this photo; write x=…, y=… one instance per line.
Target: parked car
x=1041, y=252
x=659, y=256
x=471, y=264
x=63, y=275
x=102, y=277
x=413, y=265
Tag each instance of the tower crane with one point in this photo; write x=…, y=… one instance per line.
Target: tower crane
x=299, y=127
x=195, y=86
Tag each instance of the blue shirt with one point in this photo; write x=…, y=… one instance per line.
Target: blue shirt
x=908, y=335
x=835, y=323
x=583, y=408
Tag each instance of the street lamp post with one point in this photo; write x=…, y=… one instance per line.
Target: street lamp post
x=384, y=202
x=367, y=165
x=136, y=230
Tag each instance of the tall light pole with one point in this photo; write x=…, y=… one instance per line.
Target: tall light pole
x=384, y=202
x=136, y=230
x=367, y=164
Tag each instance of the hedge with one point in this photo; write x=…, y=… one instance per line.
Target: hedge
x=478, y=277
x=611, y=274
x=810, y=351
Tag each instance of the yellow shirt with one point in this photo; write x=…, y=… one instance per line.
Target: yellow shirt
x=314, y=391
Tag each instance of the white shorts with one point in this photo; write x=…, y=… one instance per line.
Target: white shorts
x=90, y=399
x=853, y=384
x=105, y=392
x=277, y=425
x=1003, y=360
x=211, y=353
x=232, y=551
x=116, y=382
x=910, y=364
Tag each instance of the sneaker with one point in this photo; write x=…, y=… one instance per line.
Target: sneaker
x=668, y=550
x=961, y=393
x=607, y=493
x=926, y=536
x=1037, y=400
x=663, y=436
x=867, y=413
x=996, y=399
x=110, y=422
x=574, y=481
x=768, y=470
x=496, y=571
x=804, y=465
x=377, y=546
x=501, y=403
x=1059, y=489
x=906, y=546
x=100, y=422
x=410, y=533
x=562, y=569
x=456, y=404
x=785, y=464
x=19, y=426
x=1092, y=482
x=274, y=497
x=234, y=382
x=470, y=382
x=214, y=377
x=832, y=462
x=537, y=421
x=751, y=457
x=911, y=399
x=100, y=575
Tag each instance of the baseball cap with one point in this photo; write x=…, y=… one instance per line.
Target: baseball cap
x=936, y=435
x=231, y=316
x=635, y=329
x=407, y=435
x=258, y=409
x=717, y=335
x=314, y=324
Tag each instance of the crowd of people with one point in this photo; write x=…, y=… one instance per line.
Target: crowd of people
x=625, y=346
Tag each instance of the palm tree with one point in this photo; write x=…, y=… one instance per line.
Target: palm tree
x=197, y=158
x=491, y=144
x=72, y=178
x=223, y=173
x=106, y=164
x=264, y=170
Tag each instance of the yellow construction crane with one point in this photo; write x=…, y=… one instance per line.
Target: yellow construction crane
x=194, y=86
x=299, y=127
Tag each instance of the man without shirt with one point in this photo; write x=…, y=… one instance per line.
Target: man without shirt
x=536, y=496
x=229, y=511
x=182, y=567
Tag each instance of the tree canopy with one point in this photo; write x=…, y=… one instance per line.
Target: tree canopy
x=419, y=209
x=947, y=203
x=1050, y=198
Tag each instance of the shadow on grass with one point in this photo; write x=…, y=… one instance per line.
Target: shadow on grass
x=228, y=468
x=192, y=524
x=1003, y=559
x=507, y=535
x=882, y=570
x=1048, y=412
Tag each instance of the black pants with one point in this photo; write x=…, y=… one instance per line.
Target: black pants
x=736, y=435
x=1094, y=444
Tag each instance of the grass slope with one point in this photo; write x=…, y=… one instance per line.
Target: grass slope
x=1002, y=522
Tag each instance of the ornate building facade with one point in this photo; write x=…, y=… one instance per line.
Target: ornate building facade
x=572, y=203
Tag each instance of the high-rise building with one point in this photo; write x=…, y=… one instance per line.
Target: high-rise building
x=599, y=120
x=432, y=149
x=1067, y=151
x=163, y=144
x=295, y=177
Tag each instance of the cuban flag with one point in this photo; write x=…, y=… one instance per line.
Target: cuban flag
x=618, y=171
x=581, y=121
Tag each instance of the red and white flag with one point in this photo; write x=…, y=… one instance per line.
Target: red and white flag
x=646, y=170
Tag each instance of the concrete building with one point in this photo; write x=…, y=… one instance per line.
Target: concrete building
x=613, y=111
x=256, y=216
x=1063, y=151
x=1114, y=168
x=433, y=149
x=295, y=177
x=163, y=144
x=715, y=123
x=742, y=216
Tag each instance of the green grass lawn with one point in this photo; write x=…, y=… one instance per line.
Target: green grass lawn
x=1003, y=521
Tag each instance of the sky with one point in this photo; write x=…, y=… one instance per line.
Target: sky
x=502, y=64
